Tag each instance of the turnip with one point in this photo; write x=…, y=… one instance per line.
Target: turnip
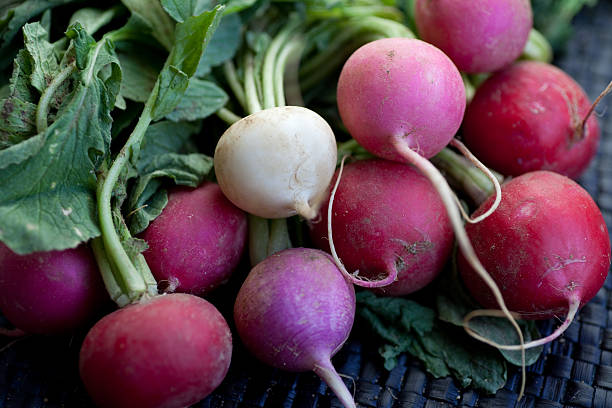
x=168, y=351
x=547, y=247
x=478, y=35
x=277, y=162
x=388, y=220
x=403, y=100
x=197, y=241
x=532, y=116
x=294, y=311
x=50, y=292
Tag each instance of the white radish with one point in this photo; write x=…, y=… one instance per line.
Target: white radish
x=277, y=162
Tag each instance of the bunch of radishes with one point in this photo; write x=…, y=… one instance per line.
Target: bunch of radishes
x=389, y=222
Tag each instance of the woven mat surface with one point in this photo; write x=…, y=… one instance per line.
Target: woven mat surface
x=574, y=371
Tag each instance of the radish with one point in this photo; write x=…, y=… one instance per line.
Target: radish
x=50, y=292
x=277, y=162
x=294, y=311
x=532, y=116
x=478, y=35
x=388, y=220
x=403, y=100
x=547, y=247
x=197, y=241
x=168, y=351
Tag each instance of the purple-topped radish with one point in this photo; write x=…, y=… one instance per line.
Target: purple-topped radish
x=197, y=241
x=50, y=292
x=294, y=311
x=547, y=246
x=532, y=116
x=387, y=220
x=478, y=35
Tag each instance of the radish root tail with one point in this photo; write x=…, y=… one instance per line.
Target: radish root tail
x=606, y=91
x=352, y=277
x=574, y=305
x=498, y=195
x=463, y=241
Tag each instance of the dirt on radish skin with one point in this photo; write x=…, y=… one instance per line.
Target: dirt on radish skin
x=294, y=311
x=528, y=117
x=478, y=35
x=387, y=219
x=50, y=292
x=197, y=241
x=166, y=352
x=546, y=244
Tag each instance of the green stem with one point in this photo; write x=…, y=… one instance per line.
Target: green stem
x=42, y=110
x=227, y=116
x=291, y=50
x=134, y=283
x=250, y=88
x=259, y=236
x=279, y=236
x=229, y=70
x=270, y=63
x=108, y=276
x=465, y=176
x=537, y=48
x=147, y=276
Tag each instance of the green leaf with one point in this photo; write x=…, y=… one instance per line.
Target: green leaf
x=92, y=19
x=181, y=10
x=202, y=98
x=183, y=169
x=406, y=326
x=17, y=121
x=151, y=12
x=469, y=362
x=19, y=83
x=191, y=38
x=44, y=63
x=47, y=201
x=223, y=45
x=454, y=303
x=234, y=6
x=140, y=66
x=14, y=17
x=398, y=321
x=166, y=137
x=553, y=19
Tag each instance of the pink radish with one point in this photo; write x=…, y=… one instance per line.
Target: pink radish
x=532, y=116
x=478, y=35
x=294, y=311
x=168, y=351
x=197, y=241
x=50, y=292
x=547, y=247
x=387, y=220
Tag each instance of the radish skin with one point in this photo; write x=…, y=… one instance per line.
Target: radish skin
x=305, y=307
x=50, y=292
x=478, y=35
x=387, y=220
x=168, y=351
x=277, y=162
x=547, y=246
x=197, y=241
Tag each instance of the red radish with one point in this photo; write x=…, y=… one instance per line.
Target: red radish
x=531, y=116
x=546, y=246
x=50, y=292
x=478, y=35
x=169, y=351
x=197, y=241
x=387, y=220
x=294, y=311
